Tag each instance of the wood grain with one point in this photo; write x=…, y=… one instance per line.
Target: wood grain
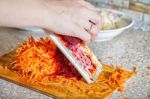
x=79, y=89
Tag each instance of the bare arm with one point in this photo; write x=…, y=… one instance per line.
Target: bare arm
x=18, y=13
x=66, y=17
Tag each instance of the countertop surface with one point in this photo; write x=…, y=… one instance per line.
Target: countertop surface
x=129, y=49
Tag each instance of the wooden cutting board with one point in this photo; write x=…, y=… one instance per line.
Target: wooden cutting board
x=79, y=89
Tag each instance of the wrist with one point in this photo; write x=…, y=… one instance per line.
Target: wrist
x=40, y=14
x=46, y=15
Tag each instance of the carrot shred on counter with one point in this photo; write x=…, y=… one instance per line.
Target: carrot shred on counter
x=36, y=60
x=116, y=78
x=126, y=97
x=121, y=89
x=135, y=69
x=148, y=67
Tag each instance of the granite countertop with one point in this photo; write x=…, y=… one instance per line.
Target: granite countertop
x=130, y=49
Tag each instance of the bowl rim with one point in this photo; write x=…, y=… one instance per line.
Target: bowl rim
x=117, y=12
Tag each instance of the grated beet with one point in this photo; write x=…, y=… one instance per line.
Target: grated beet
x=65, y=67
x=74, y=44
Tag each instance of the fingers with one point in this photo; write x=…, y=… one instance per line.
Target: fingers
x=82, y=34
x=94, y=31
x=91, y=28
x=86, y=34
x=81, y=20
x=91, y=10
x=94, y=27
x=95, y=22
x=94, y=17
x=85, y=24
x=88, y=26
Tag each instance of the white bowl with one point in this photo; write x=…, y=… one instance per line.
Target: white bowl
x=123, y=21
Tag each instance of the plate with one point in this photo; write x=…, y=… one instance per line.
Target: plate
x=113, y=23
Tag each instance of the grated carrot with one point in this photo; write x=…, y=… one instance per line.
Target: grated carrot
x=41, y=62
x=36, y=60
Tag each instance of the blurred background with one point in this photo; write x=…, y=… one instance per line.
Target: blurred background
x=139, y=10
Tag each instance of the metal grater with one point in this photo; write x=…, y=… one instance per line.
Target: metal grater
x=79, y=55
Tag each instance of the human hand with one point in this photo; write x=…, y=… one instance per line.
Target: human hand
x=74, y=18
x=67, y=17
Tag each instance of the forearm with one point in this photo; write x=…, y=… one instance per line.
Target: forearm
x=19, y=13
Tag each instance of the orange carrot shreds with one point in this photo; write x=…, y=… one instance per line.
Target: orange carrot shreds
x=135, y=70
x=126, y=97
x=121, y=89
x=41, y=62
x=36, y=60
x=116, y=77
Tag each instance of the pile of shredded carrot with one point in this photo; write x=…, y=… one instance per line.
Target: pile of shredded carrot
x=36, y=60
x=41, y=59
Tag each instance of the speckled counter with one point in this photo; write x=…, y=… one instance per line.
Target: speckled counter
x=130, y=49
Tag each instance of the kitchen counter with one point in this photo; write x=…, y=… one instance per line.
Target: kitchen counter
x=130, y=49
